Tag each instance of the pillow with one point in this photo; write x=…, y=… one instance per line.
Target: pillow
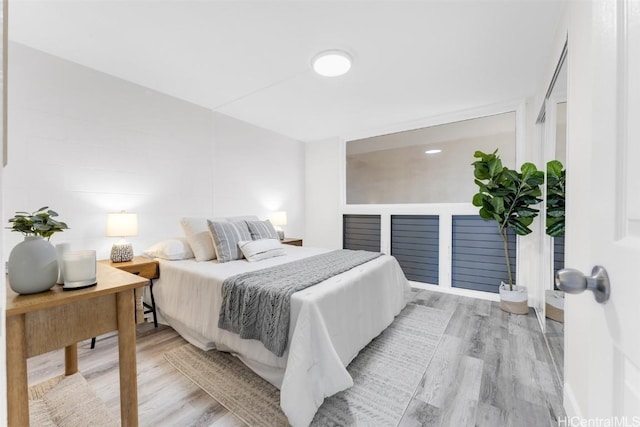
x=262, y=230
x=199, y=238
x=226, y=236
x=172, y=249
x=255, y=250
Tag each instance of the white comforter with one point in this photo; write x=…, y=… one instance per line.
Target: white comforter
x=330, y=322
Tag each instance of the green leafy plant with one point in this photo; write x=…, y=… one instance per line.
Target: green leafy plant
x=556, y=180
x=506, y=196
x=38, y=223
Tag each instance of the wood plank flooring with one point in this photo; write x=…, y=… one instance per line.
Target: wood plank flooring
x=490, y=369
x=555, y=341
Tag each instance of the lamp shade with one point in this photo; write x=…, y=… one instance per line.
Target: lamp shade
x=122, y=224
x=278, y=218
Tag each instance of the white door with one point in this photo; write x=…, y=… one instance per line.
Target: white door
x=602, y=341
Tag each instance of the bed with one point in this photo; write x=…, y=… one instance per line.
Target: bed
x=329, y=324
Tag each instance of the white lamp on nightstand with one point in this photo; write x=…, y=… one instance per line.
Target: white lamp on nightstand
x=122, y=225
x=278, y=219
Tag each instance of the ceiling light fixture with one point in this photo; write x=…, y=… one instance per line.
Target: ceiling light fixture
x=434, y=151
x=331, y=63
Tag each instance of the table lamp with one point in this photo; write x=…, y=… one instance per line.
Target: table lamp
x=278, y=219
x=122, y=225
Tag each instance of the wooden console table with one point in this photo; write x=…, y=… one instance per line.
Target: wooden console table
x=43, y=322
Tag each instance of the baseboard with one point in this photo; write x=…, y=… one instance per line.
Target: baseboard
x=570, y=403
x=456, y=291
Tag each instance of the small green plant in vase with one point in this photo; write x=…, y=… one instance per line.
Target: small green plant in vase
x=507, y=197
x=38, y=223
x=33, y=264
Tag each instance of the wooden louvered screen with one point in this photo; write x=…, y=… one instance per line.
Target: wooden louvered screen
x=415, y=244
x=361, y=232
x=477, y=254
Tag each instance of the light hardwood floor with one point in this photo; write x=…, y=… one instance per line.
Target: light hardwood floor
x=490, y=369
x=555, y=341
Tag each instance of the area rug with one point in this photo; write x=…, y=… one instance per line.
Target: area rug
x=67, y=402
x=386, y=374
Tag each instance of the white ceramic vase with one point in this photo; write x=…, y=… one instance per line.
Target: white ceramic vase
x=33, y=266
x=61, y=249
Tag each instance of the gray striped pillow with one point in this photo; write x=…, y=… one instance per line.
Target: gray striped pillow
x=262, y=230
x=226, y=236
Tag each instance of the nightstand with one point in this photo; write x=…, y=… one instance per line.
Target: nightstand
x=143, y=267
x=291, y=241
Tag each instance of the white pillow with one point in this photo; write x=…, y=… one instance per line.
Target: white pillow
x=197, y=232
x=226, y=236
x=262, y=230
x=255, y=250
x=172, y=249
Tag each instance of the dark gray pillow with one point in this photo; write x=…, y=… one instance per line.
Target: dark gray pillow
x=262, y=230
x=226, y=236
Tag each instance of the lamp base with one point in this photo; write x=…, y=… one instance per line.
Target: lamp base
x=121, y=252
x=280, y=234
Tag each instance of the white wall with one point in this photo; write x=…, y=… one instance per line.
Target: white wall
x=257, y=171
x=408, y=175
x=322, y=194
x=86, y=143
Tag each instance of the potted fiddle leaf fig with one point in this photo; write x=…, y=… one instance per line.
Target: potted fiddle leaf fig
x=507, y=197
x=556, y=180
x=33, y=264
x=555, y=221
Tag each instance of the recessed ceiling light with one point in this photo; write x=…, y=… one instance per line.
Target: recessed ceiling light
x=331, y=63
x=434, y=151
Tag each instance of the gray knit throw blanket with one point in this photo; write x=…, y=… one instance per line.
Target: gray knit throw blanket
x=257, y=304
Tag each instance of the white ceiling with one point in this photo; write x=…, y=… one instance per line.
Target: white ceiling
x=250, y=59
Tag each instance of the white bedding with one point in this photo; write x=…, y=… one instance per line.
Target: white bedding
x=330, y=322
